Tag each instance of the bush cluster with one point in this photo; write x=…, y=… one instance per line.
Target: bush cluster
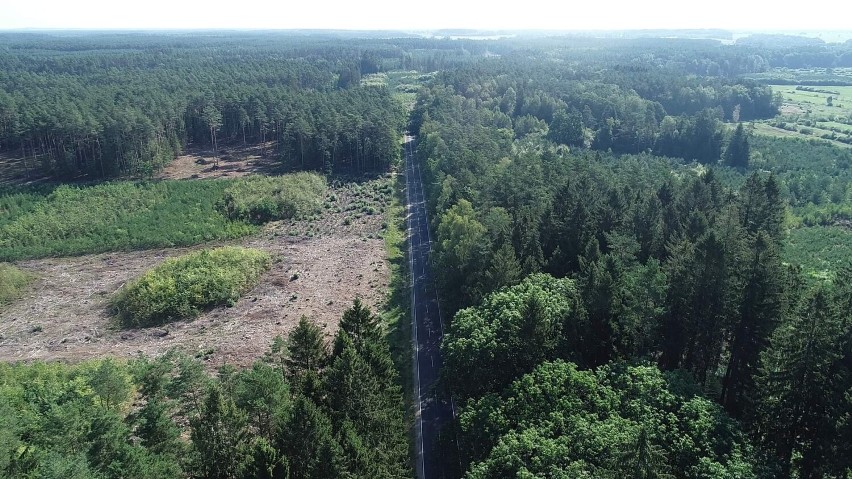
x=12, y=282
x=259, y=199
x=182, y=287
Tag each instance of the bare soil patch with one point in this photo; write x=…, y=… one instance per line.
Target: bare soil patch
x=234, y=161
x=791, y=109
x=320, y=266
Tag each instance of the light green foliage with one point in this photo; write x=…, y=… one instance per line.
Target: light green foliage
x=12, y=282
x=181, y=287
x=66, y=422
x=258, y=199
x=620, y=421
x=73, y=220
x=459, y=252
x=509, y=334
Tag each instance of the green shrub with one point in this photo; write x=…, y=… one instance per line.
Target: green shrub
x=258, y=199
x=12, y=282
x=73, y=220
x=182, y=287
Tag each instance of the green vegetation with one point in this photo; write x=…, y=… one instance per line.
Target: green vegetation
x=181, y=287
x=13, y=281
x=821, y=251
x=673, y=262
x=129, y=110
x=258, y=199
x=301, y=412
x=397, y=308
x=645, y=248
x=812, y=112
x=618, y=421
x=73, y=220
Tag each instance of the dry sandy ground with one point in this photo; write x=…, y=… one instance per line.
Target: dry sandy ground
x=233, y=161
x=65, y=315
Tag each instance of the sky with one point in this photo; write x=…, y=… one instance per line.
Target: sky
x=426, y=14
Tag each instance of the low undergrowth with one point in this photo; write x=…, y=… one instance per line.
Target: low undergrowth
x=258, y=199
x=13, y=281
x=182, y=287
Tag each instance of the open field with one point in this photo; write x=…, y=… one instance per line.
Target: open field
x=814, y=100
x=319, y=266
x=769, y=130
x=812, y=112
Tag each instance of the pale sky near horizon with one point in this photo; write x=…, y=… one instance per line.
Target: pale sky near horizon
x=391, y=15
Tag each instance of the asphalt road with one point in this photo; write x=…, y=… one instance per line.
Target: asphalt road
x=433, y=408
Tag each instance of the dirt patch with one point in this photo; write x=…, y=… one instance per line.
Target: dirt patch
x=791, y=109
x=321, y=265
x=234, y=161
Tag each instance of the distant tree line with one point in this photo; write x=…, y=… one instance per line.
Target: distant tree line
x=105, y=113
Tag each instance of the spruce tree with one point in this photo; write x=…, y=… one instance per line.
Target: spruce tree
x=738, y=152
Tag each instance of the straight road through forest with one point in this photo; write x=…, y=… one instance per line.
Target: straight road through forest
x=433, y=409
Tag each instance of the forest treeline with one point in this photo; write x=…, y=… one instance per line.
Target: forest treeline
x=105, y=113
x=306, y=410
x=614, y=262
x=106, y=105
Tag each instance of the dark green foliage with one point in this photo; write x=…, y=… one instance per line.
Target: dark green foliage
x=77, y=421
x=567, y=128
x=738, y=152
x=361, y=325
x=219, y=436
x=306, y=351
x=72, y=106
x=804, y=385
x=181, y=287
x=672, y=259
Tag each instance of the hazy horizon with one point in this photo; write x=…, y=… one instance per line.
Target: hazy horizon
x=380, y=15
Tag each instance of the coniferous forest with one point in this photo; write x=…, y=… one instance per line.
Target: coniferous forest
x=641, y=274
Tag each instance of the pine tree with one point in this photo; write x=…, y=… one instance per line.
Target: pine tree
x=361, y=324
x=308, y=443
x=738, y=152
x=219, y=433
x=759, y=311
x=801, y=386
x=505, y=270
x=306, y=349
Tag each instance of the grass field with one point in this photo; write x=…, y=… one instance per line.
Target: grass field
x=118, y=216
x=73, y=220
x=823, y=112
x=814, y=99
